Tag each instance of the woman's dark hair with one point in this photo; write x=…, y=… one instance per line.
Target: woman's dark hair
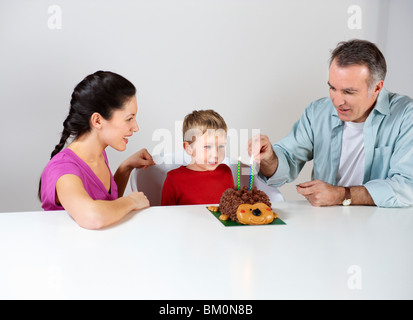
x=361, y=52
x=102, y=92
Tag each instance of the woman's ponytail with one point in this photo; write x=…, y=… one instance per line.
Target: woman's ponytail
x=65, y=135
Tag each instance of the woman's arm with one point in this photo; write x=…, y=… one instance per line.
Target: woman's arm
x=141, y=159
x=94, y=214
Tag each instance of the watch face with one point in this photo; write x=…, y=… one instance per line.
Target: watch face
x=347, y=202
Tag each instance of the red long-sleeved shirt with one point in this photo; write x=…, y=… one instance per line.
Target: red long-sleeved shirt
x=183, y=186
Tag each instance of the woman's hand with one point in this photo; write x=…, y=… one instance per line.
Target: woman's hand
x=140, y=200
x=140, y=160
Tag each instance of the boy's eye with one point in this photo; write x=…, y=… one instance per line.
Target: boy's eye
x=207, y=147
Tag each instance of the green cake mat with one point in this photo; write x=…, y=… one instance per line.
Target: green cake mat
x=231, y=223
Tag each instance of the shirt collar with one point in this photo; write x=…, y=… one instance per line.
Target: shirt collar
x=334, y=116
x=382, y=104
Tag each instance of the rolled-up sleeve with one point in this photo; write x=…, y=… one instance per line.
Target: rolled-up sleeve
x=395, y=189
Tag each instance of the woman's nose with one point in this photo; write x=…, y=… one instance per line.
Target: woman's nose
x=135, y=127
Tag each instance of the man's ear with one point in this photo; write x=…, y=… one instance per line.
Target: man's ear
x=378, y=87
x=96, y=120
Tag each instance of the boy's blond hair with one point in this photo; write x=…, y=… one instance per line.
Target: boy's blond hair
x=201, y=121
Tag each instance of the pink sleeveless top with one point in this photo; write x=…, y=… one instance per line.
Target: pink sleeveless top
x=67, y=162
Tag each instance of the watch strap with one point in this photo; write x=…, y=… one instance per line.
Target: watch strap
x=348, y=194
x=347, y=197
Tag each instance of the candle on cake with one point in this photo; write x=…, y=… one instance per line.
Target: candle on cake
x=239, y=173
x=251, y=180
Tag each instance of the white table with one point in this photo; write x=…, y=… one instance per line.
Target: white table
x=186, y=253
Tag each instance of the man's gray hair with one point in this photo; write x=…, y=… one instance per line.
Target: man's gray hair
x=361, y=52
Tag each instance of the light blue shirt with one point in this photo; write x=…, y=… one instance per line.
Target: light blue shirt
x=388, y=147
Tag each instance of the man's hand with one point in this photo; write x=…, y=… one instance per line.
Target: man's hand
x=261, y=149
x=321, y=194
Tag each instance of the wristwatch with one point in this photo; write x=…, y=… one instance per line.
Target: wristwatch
x=347, y=197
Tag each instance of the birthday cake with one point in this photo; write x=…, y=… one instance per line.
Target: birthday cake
x=246, y=206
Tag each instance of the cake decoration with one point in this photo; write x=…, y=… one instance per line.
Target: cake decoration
x=245, y=206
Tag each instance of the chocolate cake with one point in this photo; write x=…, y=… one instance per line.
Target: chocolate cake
x=246, y=206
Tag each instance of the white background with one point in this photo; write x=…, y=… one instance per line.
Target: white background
x=258, y=63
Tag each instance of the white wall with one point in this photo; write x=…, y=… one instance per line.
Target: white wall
x=257, y=62
x=399, y=47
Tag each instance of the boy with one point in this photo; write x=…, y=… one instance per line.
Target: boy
x=205, y=179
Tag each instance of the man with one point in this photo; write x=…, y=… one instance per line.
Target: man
x=360, y=139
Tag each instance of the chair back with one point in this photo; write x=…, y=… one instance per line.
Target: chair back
x=150, y=180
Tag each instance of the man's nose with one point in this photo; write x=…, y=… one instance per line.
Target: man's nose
x=338, y=99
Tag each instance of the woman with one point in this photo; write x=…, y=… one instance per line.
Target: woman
x=77, y=179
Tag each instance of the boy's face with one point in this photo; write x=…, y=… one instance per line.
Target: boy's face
x=208, y=150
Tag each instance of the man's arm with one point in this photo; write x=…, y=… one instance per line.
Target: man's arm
x=320, y=194
x=269, y=167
